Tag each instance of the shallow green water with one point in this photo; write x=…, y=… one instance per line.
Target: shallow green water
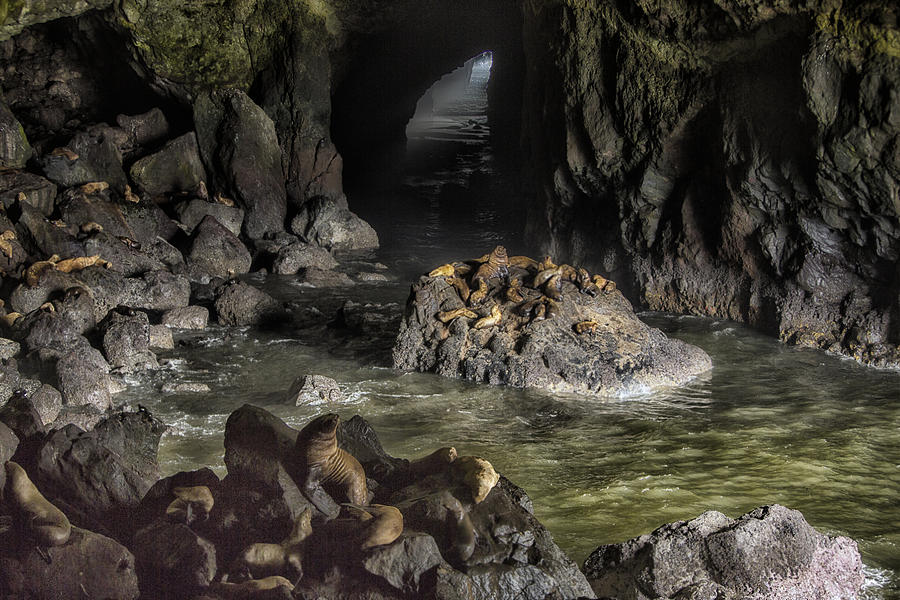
x=770, y=423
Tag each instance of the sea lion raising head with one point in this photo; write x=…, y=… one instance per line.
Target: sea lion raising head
x=322, y=464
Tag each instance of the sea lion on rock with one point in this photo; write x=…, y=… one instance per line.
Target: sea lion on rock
x=462, y=288
x=586, y=327
x=248, y=589
x=191, y=504
x=382, y=524
x=496, y=266
x=37, y=517
x=436, y=461
x=448, y=315
x=490, y=320
x=267, y=559
x=323, y=465
x=479, y=294
x=477, y=474
x=523, y=262
x=446, y=270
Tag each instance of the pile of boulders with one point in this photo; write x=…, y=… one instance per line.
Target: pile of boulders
x=114, y=233
x=521, y=322
x=277, y=525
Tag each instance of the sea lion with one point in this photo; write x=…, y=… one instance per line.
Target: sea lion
x=5, y=245
x=448, y=315
x=446, y=270
x=47, y=307
x=543, y=276
x=462, y=288
x=37, y=517
x=63, y=151
x=90, y=228
x=323, y=465
x=247, y=590
x=10, y=318
x=478, y=295
x=33, y=273
x=585, y=327
x=432, y=463
x=477, y=474
x=496, y=266
x=604, y=284
x=266, y=559
x=131, y=196
x=523, y=262
x=191, y=504
x=382, y=524
x=460, y=530
x=546, y=263
x=80, y=263
x=490, y=320
x=553, y=287
x=93, y=187
x=514, y=290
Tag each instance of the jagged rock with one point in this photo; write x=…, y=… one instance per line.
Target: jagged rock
x=123, y=256
x=157, y=291
x=175, y=168
x=324, y=222
x=299, y=255
x=192, y=212
x=101, y=474
x=146, y=128
x=239, y=144
x=216, y=252
x=8, y=348
x=83, y=377
x=47, y=402
x=161, y=338
x=188, y=317
x=50, y=331
x=770, y=553
x=93, y=156
x=77, y=307
x=148, y=223
x=14, y=147
x=11, y=380
x=173, y=561
x=239, y=304
x=78, y=208
x=89, y=564
x=25, y=299
x=45, y=237
x=314, y=389
x=323, y=278
x=84, y=417
x=21, y=416
x=619, y=354
x=403, y=562
x=126, y=340
x=39, y=192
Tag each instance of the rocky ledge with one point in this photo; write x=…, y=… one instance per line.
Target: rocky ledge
x=515, y=321
x=326, y=513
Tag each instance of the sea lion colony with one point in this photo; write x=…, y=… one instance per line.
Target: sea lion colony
x=326, y=468
x=535, y=288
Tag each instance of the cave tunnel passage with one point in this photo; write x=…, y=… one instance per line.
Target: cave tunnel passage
x=428, y=126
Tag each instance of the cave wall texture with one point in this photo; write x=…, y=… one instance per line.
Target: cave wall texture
x=732, y=158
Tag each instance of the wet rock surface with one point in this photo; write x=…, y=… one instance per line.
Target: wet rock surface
x=586, y=340
x=770, y=553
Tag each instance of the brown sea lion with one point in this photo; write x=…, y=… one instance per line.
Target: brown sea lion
x=543, y=276
x=448, y=315
x=90, y=228
x=585, y=327
x=130, y=196
x=267, y=559
x=478, y=295
x=382, y=524
x=10, y=318
x=432, y=463
x=37, y=517
x=514, y=291
x=323, y=465
x=80, y=263
x=496, y=266
x=477, y=474
x=5, y=245
x=553, y=287
x=33, y=273
x=248, y=589
x=191, y=504
x=462, y=288
x=93, y=187
x=524, y=262
x=445, y=270
x=490, y=320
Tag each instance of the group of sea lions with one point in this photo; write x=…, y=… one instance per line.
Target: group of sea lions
x=536, y=287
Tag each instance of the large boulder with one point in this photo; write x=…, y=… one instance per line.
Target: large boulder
x=240, y=147
x=770, y=553
x=157, y=291
x=88, y=565
x=324, y=222
x=188, y=317
x=146, y=128
x=126, y=340
x=216, y=252
x=582, y=342
x=239, y=304
x=314, y=389
x=102, y=474
x=43, y=237
x=83, y=378
x=174, y=168
x=38, y=191
x=300, y=255
x=173, y=561
x=91, y=155
x=14, y=147
x=192, y=212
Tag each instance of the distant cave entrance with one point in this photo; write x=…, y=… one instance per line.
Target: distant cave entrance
x=428, y=127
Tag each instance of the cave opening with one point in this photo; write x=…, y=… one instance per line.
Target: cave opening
x=427, y=118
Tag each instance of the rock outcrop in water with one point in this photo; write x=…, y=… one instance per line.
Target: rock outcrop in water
x=527, y=324
x=770, y=553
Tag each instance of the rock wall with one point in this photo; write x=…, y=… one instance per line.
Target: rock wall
x=733, y=159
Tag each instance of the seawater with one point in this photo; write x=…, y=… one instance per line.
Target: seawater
x=768, y=424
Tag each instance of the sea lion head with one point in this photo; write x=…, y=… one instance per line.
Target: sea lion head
x=320, y=433
x=499, y=257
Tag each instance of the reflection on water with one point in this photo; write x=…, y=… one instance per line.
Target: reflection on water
x=770, y=423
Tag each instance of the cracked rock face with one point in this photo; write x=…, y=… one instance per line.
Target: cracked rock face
x=737, y=161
